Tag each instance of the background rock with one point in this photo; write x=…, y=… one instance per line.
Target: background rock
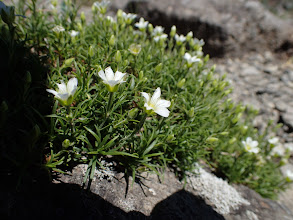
x=227, y=26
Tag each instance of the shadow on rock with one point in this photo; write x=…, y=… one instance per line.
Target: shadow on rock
x=70, y=201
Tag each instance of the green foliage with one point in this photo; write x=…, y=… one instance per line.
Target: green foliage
x=105, y=123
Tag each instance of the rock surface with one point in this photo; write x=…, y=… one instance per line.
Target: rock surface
x=227, y=26
x=204, y=197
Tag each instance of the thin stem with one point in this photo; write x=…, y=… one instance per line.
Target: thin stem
x=69, y=113
x=111, y=97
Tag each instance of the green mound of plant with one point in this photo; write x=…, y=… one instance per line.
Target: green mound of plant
x=124, y=91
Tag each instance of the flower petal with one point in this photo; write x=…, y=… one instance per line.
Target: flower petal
x=119, y=76
x=102, y=75
x=72, y=86
x=148, y=107
x=146, y=96
x=254, y=144
x=52, y=91
x=255, y=150
x=62, y=88
x=62, y=97
x=163, y=103
x=163, y=112
x=156, y=96
x=109, y=73
x=187, y=56
x=112, y=83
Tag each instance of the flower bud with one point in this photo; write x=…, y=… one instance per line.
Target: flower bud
x=191, y=112
x=158, y=68
x=140, y=75
x=133, y=113
x=189, y=36
x=82, y=17
x=151, y=28
x=212, y=140
x=224, y=133
x=112, y=40
x=66, y=143
x=173, y=31
x=79, y=26
x=181, y=83
x=118, y=56
x=170, y=138
x=68, y=62
x=28, y=77
x=232, y=140
x=119, y=13
x=132, y=83
x=125, y=63
x=7, y=14
x=91, y=51
x=182, y=51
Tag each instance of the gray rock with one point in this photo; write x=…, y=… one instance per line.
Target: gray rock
x=227, y=26
x=167, y=199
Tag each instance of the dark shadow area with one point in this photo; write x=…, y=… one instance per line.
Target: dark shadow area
x=70, y=201
x=24, y=103
x=184, y=205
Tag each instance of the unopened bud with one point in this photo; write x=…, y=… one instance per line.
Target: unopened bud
x=66, y=143
x=140, y=75
x=212, y=140
x=82, y=17
x=170, y=137
x=28, y=77
x=158, y=68
x=173, y=31
x=68, y=62
x=91, y=51
x=118, y=56
x=191, y=112
x=112, y=40
x=151, y=28
x=232, y=140
x=189, y=36
x=181, y=83
x=133, y=113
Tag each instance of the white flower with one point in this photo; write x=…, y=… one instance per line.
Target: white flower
x=134, y=49
x=278, y=150
x=158, y=30
x=110, y=79
x=160, y=37
x=73, y=33
x=156, y=104
x=141, y=25
x=111, y=19
x=179, y=39
x=289, y=175
x=250, y=145
x=58, y=29
x=65, y=93
x=190, y=59
x=128, y=17
x=274, y=140
x=101, y=6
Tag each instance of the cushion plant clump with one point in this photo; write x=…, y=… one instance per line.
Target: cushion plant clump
x=128, y=93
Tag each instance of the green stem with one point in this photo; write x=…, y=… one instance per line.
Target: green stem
x=111, y=97
x=70, y=119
